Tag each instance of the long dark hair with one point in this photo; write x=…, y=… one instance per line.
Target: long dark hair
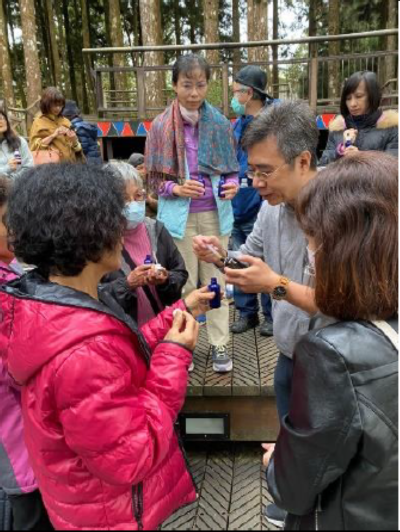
x=12, y=139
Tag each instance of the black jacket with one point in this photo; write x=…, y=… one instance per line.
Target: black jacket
x=384, y=136
x=164, y=248
x=335, y=465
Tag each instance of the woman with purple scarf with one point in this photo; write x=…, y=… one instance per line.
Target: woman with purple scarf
x=190, y=161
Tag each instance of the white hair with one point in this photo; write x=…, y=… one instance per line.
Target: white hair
x=127, y=172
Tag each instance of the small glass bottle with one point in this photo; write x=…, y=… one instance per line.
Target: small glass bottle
x=202, y=181
x=214, y=287
x=221, y=192
x=148, y=260
x=229, y=291
x=17, y=156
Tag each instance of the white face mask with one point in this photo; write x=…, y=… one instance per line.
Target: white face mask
x=135, y=213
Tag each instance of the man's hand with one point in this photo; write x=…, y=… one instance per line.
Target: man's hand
x=258, y=278
x=138, y=276
x=191, y=189
x=270, y=448
x=201, y=249
x=230, y=191
x=199, y=301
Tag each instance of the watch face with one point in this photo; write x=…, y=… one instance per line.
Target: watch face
x=279, y=292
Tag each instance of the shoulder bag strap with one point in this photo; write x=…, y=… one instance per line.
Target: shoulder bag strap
x=388, y=331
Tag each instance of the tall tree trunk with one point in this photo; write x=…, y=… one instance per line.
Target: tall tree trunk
x=62, y=49
x=117, y=40
x=275, y=35
x=70, y=53
x=44, y=40
x=177, y=22
x=150, y=16
x=78, y=39
x=250, y=29
x=86, y=57
x=211, y=29
x=392, y=40
x=237, y=56
x=54, y=44
x=5, y=60
x=31, y=56
x=261, y=28
x=334, y=49
x=17, y=67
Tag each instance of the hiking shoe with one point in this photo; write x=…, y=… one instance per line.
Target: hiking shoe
x=275, y=515
x=267, y=328
x=244, y=324
x=222, y=362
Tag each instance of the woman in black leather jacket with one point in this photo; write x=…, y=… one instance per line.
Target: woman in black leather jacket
x=335, y=464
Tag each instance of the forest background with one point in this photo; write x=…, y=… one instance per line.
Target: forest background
x=41, y=41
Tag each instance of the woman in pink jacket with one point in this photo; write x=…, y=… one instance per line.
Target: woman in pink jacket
x=16, y=475
x=100, y=398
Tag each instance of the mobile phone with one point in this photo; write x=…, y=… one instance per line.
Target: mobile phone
x=235, y=264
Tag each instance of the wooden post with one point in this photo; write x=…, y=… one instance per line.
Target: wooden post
x=313, y=81
x=99, y=94
x=141, y=95
x=225, y=88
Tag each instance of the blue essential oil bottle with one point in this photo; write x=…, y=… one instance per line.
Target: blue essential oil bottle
x=148, y=260
x=202, y=181
x=221, y=192
x=214, y=287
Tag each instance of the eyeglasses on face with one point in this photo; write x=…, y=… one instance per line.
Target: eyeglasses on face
x=263, y=176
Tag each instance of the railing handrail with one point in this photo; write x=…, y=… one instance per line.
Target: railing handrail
x=250, y=44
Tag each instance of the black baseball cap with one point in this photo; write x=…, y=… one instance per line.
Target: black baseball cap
x=252, y=76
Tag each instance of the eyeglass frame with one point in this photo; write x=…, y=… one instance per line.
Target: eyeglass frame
x=264, y=176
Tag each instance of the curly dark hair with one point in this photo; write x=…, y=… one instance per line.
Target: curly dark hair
x=60, y=217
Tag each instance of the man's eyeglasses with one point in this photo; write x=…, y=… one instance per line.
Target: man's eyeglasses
x=251, y=174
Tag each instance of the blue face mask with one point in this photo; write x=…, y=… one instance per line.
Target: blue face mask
x=238, y=108
x=135, y=212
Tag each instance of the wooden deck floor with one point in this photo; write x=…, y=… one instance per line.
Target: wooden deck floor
x=254, y=361
x=232, y=487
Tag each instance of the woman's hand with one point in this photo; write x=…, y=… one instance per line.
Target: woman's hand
x=230, y=191
x=270, y=448
x=199, y=301
x=138, y=276
x=191, y=189
x=157, y=277
x=350, y=150
x=13, y=163
x=71, y=134
x=184, y=331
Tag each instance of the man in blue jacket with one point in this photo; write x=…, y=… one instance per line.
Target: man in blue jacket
x=249, y=99
x=87, y=133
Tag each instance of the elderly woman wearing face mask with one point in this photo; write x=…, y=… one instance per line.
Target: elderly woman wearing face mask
x=153, y=271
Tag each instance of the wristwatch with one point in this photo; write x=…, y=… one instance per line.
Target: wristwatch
x=280, y=291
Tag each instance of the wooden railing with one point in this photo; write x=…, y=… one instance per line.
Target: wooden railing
x=310, y=85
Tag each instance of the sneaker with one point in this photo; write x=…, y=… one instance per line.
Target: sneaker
x=267, y=328
x=275, y=515
x=222, y=362
x=244, y=324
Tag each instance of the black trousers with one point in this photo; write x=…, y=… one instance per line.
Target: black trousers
x=29, y=512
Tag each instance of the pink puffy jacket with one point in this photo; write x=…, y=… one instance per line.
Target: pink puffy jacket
x=99, y=402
